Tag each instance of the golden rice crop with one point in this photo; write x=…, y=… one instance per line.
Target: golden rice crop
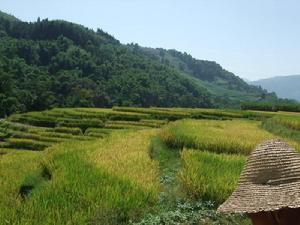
x=236, y=136
x=210, y=176
x=290, y=121
x=127, y=155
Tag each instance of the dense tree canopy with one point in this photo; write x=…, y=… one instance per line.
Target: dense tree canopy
x=56, y=63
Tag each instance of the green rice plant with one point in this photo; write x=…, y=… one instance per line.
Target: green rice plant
x=123, y=126
x=37, y=137
x=84, y=189
x=158, y=122
x=26, y=144
x=96, y=135
x=5, y=125
x=68, y=130
x=133, y=123
x=112, y=114
x=75, y=113
x=97, y=132
x=197, y=113
x=3, y=136
x=3, y=145
x=39, y=119
x=15, y=165
x=209, y=176
x=84, y=138
x=155, y=113
x=127, y=154
x=83, y=124
x=56, y=135
x=34, y=180
x=2, y=152
x=236, y=136
x=258, y=115
x=214, y=113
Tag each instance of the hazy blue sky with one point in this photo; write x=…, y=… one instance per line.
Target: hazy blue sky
x=252, y=38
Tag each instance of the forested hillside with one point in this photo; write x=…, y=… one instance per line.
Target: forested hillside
x=228, y=88
x=57, y=63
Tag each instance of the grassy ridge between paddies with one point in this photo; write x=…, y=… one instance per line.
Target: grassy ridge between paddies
x=235, y=136
x=79, y=191
x=210, y=176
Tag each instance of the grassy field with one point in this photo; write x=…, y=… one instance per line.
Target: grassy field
x=129, y=165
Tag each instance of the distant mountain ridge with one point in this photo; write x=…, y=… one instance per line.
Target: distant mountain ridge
x=283, y=86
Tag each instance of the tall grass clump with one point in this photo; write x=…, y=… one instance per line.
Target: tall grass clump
x=236, y=136
x=210, y=176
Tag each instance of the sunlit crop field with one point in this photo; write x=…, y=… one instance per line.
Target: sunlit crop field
x=129, y=165
x=209, y=175
x=236, y=136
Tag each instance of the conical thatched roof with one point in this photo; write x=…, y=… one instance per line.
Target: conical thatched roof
x=269, y=181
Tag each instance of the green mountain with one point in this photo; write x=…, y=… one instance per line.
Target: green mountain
x=61, y=64
x=283, y=86
x=228, y=89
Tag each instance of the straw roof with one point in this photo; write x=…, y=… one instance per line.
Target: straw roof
x=269, y=181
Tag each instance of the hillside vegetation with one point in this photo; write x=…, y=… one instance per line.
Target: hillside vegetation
x=49, y=64
x=228, y=89
x=128, y=165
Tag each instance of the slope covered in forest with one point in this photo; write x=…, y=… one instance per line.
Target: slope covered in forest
x=57, y=63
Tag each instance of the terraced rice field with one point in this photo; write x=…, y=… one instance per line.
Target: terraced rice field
x=129, y=165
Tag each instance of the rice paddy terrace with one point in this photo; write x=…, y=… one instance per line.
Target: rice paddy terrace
x=129, y=165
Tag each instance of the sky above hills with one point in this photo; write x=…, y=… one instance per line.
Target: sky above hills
x=254, y=39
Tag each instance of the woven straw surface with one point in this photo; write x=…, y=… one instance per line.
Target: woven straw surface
x=269, y=181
